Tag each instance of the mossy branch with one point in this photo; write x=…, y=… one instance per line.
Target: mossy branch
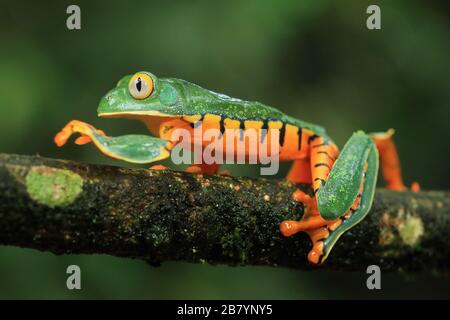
x=68, y=207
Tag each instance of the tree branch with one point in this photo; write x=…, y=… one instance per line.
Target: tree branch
x=69, y=207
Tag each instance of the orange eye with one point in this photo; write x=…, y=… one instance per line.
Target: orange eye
x=140, y=86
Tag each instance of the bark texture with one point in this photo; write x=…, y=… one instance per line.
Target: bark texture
x=68, y=207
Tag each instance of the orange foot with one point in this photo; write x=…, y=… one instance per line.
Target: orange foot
x=203, y=168
x=312, y=223
x=76, y=126
x=225, y=173
x=84, y=139
x=158, y=167
x=415, y=187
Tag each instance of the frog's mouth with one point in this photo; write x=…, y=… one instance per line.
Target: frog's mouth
x=136, y=114
x=153, y=120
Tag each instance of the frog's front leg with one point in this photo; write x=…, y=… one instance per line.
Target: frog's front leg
x=344, y=192
x=130, y=148
x=76, y=126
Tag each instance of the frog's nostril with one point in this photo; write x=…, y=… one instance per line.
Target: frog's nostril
x=108, y=98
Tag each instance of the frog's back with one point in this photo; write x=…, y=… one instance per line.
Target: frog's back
x=223, y=112
x=203, y=101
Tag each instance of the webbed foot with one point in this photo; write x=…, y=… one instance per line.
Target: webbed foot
x=76, y=126
x=312, y=223
x=130, y=148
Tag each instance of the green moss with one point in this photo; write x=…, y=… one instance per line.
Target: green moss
x=411, y=230
x=53, y=187
x=387, y=237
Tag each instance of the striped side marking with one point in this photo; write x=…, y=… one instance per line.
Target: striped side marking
x=278, y=125
x=321, y=161
x=282, y=134
x=322, y=164
x=312, y=138
x=327, y=154
x=299, y=134
x=211, y=121
x=222, y=125
x=252, y=125
x=288, y=140
x=264, y=129
x=194, y=120
x=242, y=127
x=231, y=123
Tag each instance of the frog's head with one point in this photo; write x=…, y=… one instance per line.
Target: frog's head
x=141, y=94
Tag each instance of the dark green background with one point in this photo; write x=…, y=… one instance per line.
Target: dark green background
x=315, y=60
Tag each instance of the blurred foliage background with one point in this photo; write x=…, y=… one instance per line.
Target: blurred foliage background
x=314, y=59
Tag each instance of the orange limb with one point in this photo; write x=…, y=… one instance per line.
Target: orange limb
x=313, y=170
x=321, y=161
x=203, y=168
x=158, y=167
x=312, y=223
x=300, y=171
x=225, y=173
x=75, y=126
x=390, y=162
x=323, y=157
x=84, y=139
x=316, y=251
x=311, y=218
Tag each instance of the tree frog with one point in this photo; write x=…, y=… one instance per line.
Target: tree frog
x=343, y=182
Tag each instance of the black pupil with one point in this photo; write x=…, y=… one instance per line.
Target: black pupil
x=139, y=84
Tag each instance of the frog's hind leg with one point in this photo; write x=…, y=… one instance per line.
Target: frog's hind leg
x=311, y=222
x=344, y=195
x=313, y=170
x=300, y=171
x=390, y=162
x=347, y=196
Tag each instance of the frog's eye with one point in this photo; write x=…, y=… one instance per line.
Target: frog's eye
x=140, y=86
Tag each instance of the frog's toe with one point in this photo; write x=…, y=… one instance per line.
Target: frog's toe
x=61, y=137
x=83, y=139
x=193, y=169
x=415, y=186
x=158, y=167
x=72, y=127
x=203, y=168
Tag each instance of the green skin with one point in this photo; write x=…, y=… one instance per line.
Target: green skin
x=180, y=98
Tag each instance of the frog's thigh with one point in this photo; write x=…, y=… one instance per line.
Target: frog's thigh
x=359, y=209
x=300, y=171
x=390, y=162
x=339, y=192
